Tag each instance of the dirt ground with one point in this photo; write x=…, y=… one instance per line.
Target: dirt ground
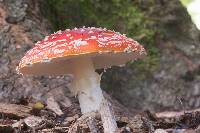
x=36, y=118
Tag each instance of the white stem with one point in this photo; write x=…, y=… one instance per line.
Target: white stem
x=86, y=84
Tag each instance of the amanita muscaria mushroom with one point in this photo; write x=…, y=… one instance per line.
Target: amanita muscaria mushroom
x=79, y=52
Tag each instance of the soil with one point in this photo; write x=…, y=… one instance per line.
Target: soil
x=21, y=118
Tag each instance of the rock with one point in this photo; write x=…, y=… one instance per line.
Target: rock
x=33, y=121
x=53, y=105
x=18, y=124
x=160, y=131
x=70, y=119
x=59, y=96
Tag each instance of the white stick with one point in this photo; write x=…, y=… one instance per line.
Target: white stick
x=107, y=117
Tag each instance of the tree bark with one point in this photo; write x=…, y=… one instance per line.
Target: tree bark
x=21, y=25
x=14, y=111
x=176, y=75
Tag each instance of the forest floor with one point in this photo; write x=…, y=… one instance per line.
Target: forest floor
x=31, y=118
x=22, y=24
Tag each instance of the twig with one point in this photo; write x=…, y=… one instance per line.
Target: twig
x=171, y=114
x=14, y=110
x=107, y=117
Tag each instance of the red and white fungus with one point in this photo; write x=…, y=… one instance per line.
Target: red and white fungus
x=79, y=52
x=105, y=47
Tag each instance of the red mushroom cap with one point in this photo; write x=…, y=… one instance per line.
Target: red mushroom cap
x=105, y=47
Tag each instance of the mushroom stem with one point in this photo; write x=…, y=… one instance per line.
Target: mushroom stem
x=86, y=84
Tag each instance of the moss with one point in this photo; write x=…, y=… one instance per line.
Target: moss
x=124, y=16
x=186, y=2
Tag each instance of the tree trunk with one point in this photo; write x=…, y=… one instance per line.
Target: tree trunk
x=175, y=77
x=21, y=25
